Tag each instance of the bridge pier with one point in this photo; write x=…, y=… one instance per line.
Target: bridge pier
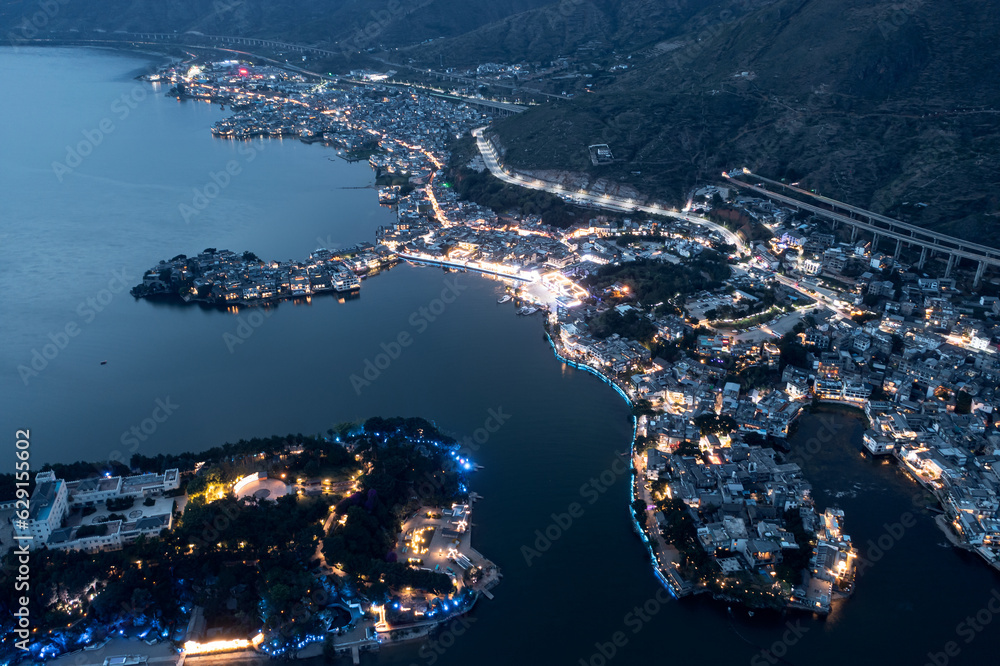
x=854, y=233
x=923, y=258
x=875, y=239
x=899, y=247
x=951, y=264
x=979, y=273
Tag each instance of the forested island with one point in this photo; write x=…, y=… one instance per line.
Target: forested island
x=277, y=542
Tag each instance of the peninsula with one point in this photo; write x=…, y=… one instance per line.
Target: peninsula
x=718, y=323
x=226, y=278
x=255, y=547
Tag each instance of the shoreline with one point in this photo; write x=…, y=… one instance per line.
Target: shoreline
x=833, y=407
x=680, y=587
x=121, y=634
x=942, y=520
x=673, y=588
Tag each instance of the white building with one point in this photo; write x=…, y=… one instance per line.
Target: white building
x=53, y=499
x=49, y=505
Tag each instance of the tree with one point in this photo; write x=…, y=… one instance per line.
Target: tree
x=643, y=408
x=712, y=424
x=963, y=403
x=687, y=448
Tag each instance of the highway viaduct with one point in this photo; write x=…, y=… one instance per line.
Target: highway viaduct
x=880, y=226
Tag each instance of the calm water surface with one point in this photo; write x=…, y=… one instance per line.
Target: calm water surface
x=69, y=238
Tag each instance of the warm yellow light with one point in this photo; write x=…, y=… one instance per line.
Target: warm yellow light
x=194, y=647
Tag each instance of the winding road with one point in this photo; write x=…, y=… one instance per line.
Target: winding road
x=606, y=201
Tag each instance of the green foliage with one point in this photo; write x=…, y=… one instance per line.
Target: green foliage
x=794, y=560
x=679, y=529
x=404, y=462
x=487, y=190
x=632, y=325
x=331, y=454
x=669, y=351
x=84, y=531
x=757, y=376
x=643, y=408
x=792, y=351
x=963, y=403
x=120, y=503
x=642, y=442
x=688, y=448
x=715, y=424
x=654, y=281
x=86, y=470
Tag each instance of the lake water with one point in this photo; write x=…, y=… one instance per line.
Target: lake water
x=71, y=236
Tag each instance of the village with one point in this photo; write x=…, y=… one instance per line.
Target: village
x=782, y=312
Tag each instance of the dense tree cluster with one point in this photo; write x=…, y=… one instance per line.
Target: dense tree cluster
x=244, y=560
x=408, y=466
x=632, y=325
x=659, y=281
x=489, y=191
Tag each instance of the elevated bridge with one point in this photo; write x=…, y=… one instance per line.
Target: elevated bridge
x=880, y=226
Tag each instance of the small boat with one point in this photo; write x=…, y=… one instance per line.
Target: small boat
x=104, y=362
x=504, y=299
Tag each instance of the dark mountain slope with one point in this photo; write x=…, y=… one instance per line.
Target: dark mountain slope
x=316, y=22
x=869, y=101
